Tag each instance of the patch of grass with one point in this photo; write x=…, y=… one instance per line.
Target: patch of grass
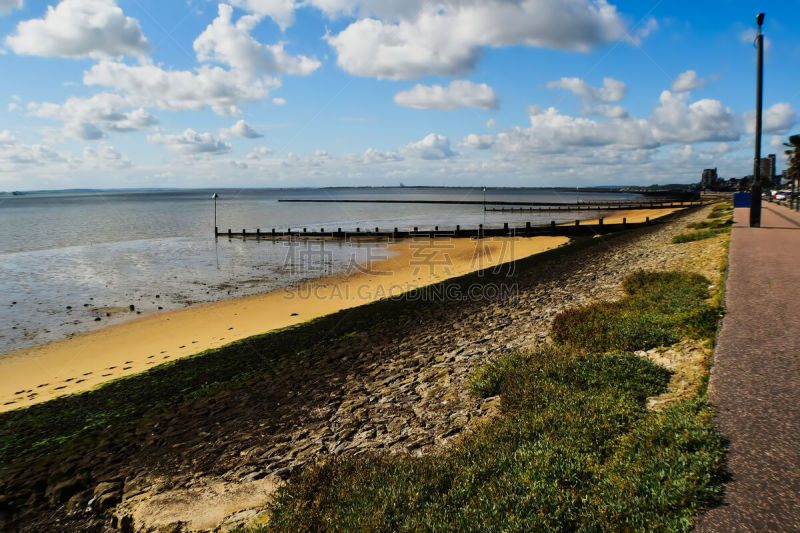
x=658, y=309
x=699, y=235
x=711, y=224
x=575, y=449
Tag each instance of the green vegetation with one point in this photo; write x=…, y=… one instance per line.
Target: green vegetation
x=658, y=309
x=719, y=221
x=575, y=449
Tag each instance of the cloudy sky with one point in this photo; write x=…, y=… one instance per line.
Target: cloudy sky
x=279, y=93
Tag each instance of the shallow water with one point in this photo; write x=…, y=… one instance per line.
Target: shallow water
x=100, y=252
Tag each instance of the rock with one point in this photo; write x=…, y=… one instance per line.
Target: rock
x=64, y=490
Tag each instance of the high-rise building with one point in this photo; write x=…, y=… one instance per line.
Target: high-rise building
x=768, y=169
x=709, y=178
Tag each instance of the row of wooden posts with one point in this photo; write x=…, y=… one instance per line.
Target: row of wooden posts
x=552, y=228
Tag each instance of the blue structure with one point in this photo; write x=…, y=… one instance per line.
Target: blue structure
x=741, y=199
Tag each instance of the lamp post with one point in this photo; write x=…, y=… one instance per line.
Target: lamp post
x=484, y=210
x=215, y=196
x=755, y=190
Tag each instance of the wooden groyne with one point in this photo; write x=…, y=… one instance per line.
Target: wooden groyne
x=576, y=229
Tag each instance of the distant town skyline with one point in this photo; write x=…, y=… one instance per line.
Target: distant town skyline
x=286, y=93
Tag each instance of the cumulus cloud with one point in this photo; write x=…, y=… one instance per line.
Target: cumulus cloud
x=181, y=90
x=279, y=101
x=9, y=5
x=87, y=118
x=258, y=152
x=445, y=38
x=433, y=146
x=687, y=81
x=701, y=121
x=80, y=28
x=241, y=129
x=778, y=119
x=191, y=142
x=16, y=154
x=478, y=142
x=105, y=156
x=596, y=100
x=281, y=11
x=230, y=43
x=373, y=156
x=458, y=95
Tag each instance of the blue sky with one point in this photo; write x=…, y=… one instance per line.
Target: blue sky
x=105, y=93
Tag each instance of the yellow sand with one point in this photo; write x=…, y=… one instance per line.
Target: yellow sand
x=632, y=216
x=36, y=374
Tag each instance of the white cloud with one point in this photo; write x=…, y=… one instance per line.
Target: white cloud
x=433, y=146
x=458, y=95
x=13, y=106
x=15, y=154
x=701, y=121
x=445, y=38
x=241, y=129
x=281, y=11
x=373, y=156
x=778, y=118
x=9, y=5
x=491, y=123
x=191, y=142
x=279, y=101
x=80, y=28
x=687, y=81
x=258, y=152
x=105, y=156
x=230, y=43
x=86, y=118
x=180, y=90
x=596, y=100
x=478, y=142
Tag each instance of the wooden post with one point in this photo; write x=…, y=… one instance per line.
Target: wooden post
x=358, y=230
x=229, y=233
x=505, y=227
x=394, y=233
x=624, y=221
x=258, y=233
x=304, y=230
x=216, y=232
x=480, y=231
x=527, y=228
x=577, y=222
x=273, y=233
x=436, y=228
x=647, y=219
x=376, y=230
x=601, y=221
x=244, y=233
x=458, y=230
x=322, y=230
x=415, y=228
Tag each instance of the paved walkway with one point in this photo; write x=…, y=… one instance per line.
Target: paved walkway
x=755, y=380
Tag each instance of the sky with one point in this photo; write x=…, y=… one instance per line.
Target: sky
x=305, y=93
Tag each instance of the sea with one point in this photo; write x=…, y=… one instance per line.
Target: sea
x=75, y=261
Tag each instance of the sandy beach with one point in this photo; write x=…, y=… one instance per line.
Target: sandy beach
x=72, y=365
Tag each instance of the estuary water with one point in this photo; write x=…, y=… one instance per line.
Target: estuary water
x=71, y=262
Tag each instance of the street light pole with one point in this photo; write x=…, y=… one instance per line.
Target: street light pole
x=755, y=191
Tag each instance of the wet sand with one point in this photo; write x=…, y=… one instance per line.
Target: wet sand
x=72, y=365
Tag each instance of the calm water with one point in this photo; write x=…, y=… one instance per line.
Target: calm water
x=100, y=252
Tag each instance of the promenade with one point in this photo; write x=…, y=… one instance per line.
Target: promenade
x=755, y=380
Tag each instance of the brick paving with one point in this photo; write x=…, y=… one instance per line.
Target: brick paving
x=755, y=380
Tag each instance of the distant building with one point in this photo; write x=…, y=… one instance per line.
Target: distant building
x=767, y=169
x=709, y=178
